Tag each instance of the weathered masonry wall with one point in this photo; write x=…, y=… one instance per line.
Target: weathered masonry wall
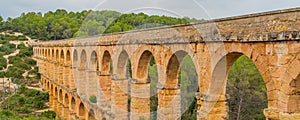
x=74, y=70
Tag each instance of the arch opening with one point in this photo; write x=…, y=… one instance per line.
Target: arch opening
x=48, y=86
x=56, y=92
x=57, y=55
x=124, y=72
x=147, y=73
x=66, y=100
x=52, y=53
x=246, y=91
x=94, y=62
x=83, y=60
x=75, y=58
x=81, y=110
x=92, y=115
x=68, y=57
x=60, y=98
x=106, y=65
x=143, y=65
x=237, y=88
x=153, y=77
x=73, y=104
x=92, y=78
x=294, y=96
x=182, y=78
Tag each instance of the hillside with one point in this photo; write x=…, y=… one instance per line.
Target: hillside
x=17, y=64
x=61, y=24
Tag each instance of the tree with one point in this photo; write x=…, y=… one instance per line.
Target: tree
x=246, y=90
x=62, y=24
x=1, y=23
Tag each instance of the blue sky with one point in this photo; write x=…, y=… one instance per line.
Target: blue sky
x=206, y=9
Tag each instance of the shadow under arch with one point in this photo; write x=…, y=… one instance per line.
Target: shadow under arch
x=66, y=100
x=68, y=78
x=81, y=111
x=61, y=68
x=123, y=61
x=81, y=78
x=142, y=69
x=73, y=104
x=216, y=99
x=181, y=80
x=75, y=72
x=141, y=87
x=106, y=63
x=122, y=85
x=92, y=79
x=91, y=115
x=294, y=96
x=104, y=80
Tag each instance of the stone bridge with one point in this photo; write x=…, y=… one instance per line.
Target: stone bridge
x=74, y=70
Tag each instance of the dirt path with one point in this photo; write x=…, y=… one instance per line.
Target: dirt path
x=34, y=88
x=44, y=110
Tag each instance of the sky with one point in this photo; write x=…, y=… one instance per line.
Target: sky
x=200, y=9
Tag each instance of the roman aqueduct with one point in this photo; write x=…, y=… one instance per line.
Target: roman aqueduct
x=73, y=70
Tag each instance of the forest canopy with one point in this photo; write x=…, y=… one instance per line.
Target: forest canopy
x=62, y=24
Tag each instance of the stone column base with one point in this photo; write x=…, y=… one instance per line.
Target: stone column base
x=275, y=115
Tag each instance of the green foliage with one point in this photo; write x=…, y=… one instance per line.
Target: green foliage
x=3, y=63
x=8, y=115
x=49, y=114
x=32, y=93
x=21, y=63
x=246, y=90
x=62, y=24
x=21, y=66
x=27, y=101
x=14, y=59
x=21, y=46
x=21, y=100
x=8, y=48
x=153, y=76
x=14, y=72
x=26, y=52
x=93, y=99
x=30, y=61
x=23, y=88
x=2, y=74
x=132, y=21
x=188, y=80
x=4, y=41
x=40, y=105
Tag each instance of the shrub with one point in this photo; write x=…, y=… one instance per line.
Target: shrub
x=21, y=46
x=14, y=59
x=23, y=88
x=2, y=75
x=93, y=99
x=22, y=37
x=4, y=41
x=8, y=48
x=21, y=100
x=49, y=114
x=30, y=61
x=39, y=105
x=22, y=65
x=3, y=63
x=8, y=115
x=14, y=72
x=23, y=109
x=32, y=93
